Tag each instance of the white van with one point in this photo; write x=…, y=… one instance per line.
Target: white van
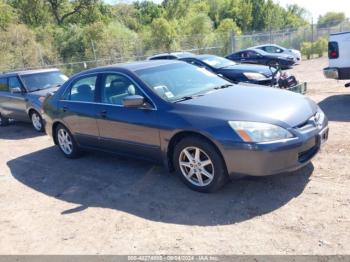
x=339, y=56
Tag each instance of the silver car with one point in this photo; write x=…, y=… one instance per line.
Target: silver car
x=276, y=49
x=22, y=94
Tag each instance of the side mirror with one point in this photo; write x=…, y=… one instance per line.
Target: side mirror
x=134, y=101
x=16, y=90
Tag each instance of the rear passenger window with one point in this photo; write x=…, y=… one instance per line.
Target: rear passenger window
x=3, y=84
x=83, y=90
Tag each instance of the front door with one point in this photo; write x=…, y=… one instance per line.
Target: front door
x=130, y=131
x=16, y=105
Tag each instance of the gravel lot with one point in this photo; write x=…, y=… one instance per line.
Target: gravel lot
x=100, y=204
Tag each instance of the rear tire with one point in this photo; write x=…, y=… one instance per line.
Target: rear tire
x=199, y=164
x=66, y=142
x=37, y=121
x=4, y=121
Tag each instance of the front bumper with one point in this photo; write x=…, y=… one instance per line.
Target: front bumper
x=331, y=73
x=274, y=158
x=341, y=73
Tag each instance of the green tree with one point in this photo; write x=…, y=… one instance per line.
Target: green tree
x=163, y=33
x=176, y=9
x=32, y=12
x=228, y=25
x=331, y=19
x=18, y=48
x=63, y=9
x=7, y=15
x=148, y=11
x=128, y=15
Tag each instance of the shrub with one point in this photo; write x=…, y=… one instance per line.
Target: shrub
x=320, y=46
x=306, y=49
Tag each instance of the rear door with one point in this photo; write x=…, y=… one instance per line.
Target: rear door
x=131, y=131
x=78, y=110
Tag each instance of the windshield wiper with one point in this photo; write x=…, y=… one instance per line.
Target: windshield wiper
x=46, y=87
x=184, y=98
x=223, y=86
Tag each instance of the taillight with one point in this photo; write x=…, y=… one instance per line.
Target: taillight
x=333, y=50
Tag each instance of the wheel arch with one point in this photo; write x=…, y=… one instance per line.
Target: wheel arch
x=176, y=138
x=31, y=110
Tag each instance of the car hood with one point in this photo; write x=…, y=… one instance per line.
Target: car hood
x=43, y=92
x=246, y=102
x=265, y=70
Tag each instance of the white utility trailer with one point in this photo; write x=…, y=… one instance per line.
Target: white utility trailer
x=339, y=57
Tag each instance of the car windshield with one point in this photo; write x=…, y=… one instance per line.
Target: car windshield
x=216, y=61
x=175, y=82
x=39, y=81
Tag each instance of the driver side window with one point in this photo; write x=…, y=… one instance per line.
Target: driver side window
x=14, y=83
x=115, y=87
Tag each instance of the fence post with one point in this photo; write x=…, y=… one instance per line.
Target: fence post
x=233, y=42
x=40, y=56
x=312, y=33
x=94, y=51
x=270, y=35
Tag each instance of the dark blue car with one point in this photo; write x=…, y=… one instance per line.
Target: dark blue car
x=258, y=56
x=254, y=74
x=191, y=120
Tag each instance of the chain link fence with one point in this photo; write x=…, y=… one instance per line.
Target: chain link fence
x=119, y=50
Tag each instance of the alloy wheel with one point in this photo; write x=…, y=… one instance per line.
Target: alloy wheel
x=36, y=120
x=65, y=141
x=196, y=166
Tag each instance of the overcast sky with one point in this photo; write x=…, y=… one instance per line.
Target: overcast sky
x=316, y=7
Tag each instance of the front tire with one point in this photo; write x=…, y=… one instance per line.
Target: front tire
x=66, y=142
x=199, y=164
x=4, y=121
x=37, y=121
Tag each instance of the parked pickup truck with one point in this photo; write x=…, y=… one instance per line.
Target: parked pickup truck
x=339, y=56
x=22, y=94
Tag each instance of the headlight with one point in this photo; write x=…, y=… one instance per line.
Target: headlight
x=259, y=132
x=255, y=76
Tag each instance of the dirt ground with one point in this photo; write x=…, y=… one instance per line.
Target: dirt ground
x=101, y=204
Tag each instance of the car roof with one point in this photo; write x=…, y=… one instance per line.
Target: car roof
x=29, y=72
x=176, y=54
x=132, y=66
x=256, y=50
x=341, y=33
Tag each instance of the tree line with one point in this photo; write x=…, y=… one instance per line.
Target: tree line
x=40, y=32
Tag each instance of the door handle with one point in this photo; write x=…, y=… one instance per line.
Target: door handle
x=64, y=109
x=103, y=113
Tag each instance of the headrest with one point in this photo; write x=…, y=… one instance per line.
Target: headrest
x=84, y=89
x=131, y=90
